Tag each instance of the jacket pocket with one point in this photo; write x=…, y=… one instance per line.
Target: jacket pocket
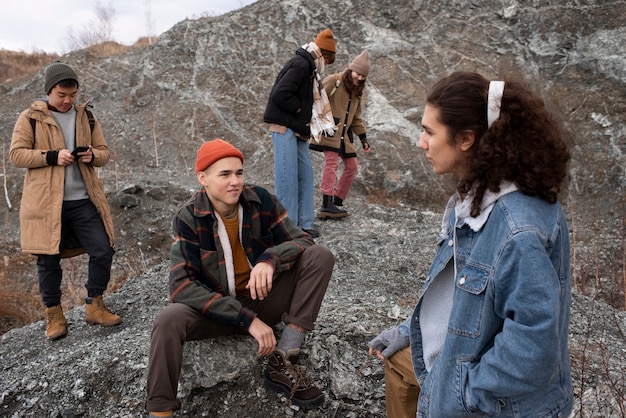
x=465, y=391
x=210, y=261
x=469, y=298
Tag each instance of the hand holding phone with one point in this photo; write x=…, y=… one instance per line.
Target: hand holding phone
x=79, y=149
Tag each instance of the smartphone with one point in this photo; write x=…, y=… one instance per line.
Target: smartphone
x=79, y=149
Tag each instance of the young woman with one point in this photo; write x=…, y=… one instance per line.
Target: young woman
x=345, y=91
x=489, y=335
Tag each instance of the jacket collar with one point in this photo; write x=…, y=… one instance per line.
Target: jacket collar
x=462, y=208
x=307, y=55
x=203, y=206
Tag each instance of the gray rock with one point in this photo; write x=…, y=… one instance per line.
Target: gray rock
x=210, y=78
x=97, y=371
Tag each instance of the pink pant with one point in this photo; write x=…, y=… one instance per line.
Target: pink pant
x=329, y=174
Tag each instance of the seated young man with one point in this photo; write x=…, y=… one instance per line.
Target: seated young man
x=238, y=265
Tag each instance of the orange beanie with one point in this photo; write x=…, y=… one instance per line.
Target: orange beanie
x=325, y=40
x=211, y=151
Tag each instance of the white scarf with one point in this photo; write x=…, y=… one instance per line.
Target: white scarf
x=322, y=121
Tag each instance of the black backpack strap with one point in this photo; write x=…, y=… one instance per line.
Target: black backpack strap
x=92, y=121
x=33, y=123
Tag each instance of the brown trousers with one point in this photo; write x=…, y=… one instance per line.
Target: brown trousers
x=296, y=297
x=401, y=387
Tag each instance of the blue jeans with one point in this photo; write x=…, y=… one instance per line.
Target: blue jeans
x=293, y=177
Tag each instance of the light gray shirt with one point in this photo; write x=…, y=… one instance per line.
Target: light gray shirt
x=74, y=187
x=435, y=313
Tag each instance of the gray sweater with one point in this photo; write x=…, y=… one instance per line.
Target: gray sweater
x=74, y=184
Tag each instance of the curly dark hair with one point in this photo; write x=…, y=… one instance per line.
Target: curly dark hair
x=526, y=145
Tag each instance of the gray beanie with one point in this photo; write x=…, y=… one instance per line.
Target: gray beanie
x=57, y=72
x=361, y=64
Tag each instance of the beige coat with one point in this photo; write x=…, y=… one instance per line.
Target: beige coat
x=338, y=97
x=42, y=195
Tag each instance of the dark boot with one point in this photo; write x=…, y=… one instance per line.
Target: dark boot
x=283, y=374
x=337, y=201
x=314, y=233
x=329, y=210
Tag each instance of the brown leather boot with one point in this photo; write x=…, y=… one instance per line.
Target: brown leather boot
x=283, y=374
x=96, y=312
x=57, y=325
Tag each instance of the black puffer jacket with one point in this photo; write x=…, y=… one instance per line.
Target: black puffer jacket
x=291, y=100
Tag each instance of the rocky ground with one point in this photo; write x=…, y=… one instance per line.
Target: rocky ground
x=210, y=77
x=382, y=257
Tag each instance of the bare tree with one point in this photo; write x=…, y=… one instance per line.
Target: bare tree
x=4, y=175
x=97, y=30
x=150, y=26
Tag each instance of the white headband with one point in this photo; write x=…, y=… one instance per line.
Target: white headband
x=494, y=101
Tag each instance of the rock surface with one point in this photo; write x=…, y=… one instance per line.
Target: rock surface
x=97, y=371
x=210, y=78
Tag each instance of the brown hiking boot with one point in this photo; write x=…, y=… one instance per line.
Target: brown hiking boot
x=96, y=312
x=284, y=375
x=57, y=325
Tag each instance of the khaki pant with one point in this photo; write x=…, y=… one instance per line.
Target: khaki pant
x=401, y=387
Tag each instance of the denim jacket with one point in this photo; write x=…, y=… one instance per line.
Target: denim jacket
x=506, y=347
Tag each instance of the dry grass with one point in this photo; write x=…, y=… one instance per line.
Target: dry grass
x=19, y=299
x=20, y=303
x=107, y=49
x=16, y=65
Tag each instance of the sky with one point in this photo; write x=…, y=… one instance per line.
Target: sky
x=44, y=25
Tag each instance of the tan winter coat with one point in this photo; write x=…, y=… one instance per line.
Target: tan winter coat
x=338, y=97
x=42, y=195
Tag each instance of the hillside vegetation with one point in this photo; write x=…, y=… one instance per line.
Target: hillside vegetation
x=15, y=65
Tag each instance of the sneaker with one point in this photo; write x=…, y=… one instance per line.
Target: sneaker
x=283, y=374
x=56, y=324
x=312, y=232
x=96, y=312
